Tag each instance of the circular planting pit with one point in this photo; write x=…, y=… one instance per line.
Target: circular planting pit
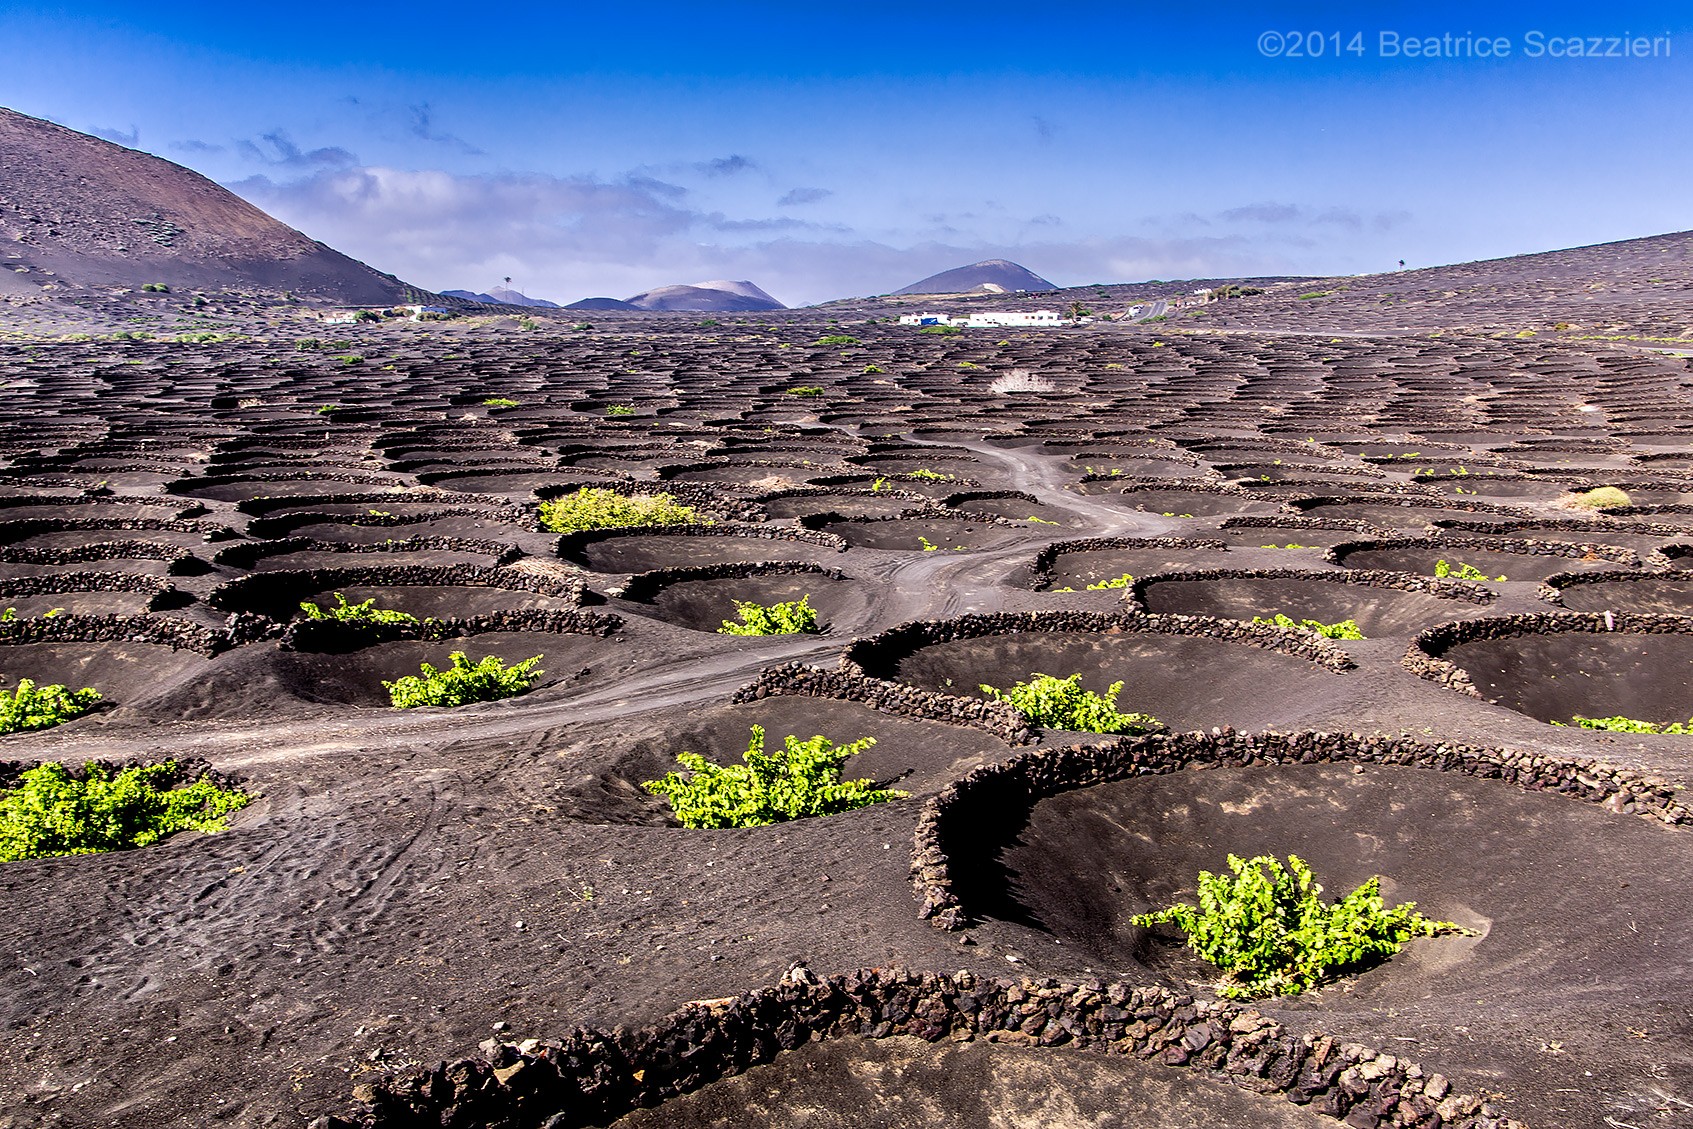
x=1288, y=536
x=1193, y=503
x=932, y=489
x=440, y=592
x=239, y=488
x=1378, y=605
x=1074, y=565
x=702, y=599
x=1387, y=515
x=1530, y=872
x=903, y=1081
x=754, y=477
x=1013, y=506
x=355, y=677
x=369, y=531
x=1109, y=465
x=908, y=534
x=1495, y=487
x=1576, y=531
x=910, y=754
x=647, y=549
x=1664, y=593
x=1553, y=668
x=1494, y=557
x=1185, y=681
x=53, y=534
x=790, y=506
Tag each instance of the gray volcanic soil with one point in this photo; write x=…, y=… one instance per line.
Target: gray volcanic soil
x=406, y=881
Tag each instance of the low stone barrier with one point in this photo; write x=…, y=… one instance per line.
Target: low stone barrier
x=58, y=583
x=592, y=1077
x=176, y=634
x=21, y=529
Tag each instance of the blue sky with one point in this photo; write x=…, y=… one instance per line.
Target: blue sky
x=831, y=151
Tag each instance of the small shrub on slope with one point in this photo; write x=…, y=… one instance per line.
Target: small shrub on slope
x=462, y=683
x=42, y=707
x=794, y=617
x=366, y=612
x=802, y=779
x=52, y=812
x=1620, y=724
x=1461, y=571
x=1345, y=629
x=595, y=507
x=1061, y=703
x=1601, y=498
x=1271, y=933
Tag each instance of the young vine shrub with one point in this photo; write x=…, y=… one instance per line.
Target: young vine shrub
x=595, y=507
x=52, y=812
x=1620, y=724
x=1345, y=629
x=795, y=617
x=1270, y=932
x=42, y=707
x=800, y=780
x=1461, y=571
x=366, y=612
x=1061, y=703
x=486, y=681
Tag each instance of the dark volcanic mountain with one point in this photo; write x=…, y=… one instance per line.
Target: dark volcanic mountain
x=601, y=304
x=78, y=212
x=502, y=296
x=718, y=296
x=991, y=276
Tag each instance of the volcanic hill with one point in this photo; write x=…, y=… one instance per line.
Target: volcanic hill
x=77, y=212
x=717, y=296
x=990, y=276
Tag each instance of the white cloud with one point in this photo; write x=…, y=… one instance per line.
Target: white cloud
x=567, y=237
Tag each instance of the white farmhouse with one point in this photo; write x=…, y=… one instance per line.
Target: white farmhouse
x=1016, y=319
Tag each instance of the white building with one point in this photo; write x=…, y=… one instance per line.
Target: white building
x=992, y=319
x=1015, y=319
